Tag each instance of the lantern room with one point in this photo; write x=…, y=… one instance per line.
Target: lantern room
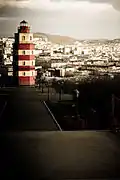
x=24, y=27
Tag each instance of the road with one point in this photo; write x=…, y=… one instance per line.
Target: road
x=31, y=147
x=59, y=155
x=24, y=111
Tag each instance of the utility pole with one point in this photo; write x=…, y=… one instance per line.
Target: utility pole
x=60, y=92
x=42, y=85
x=113, y=106
x=39, y=82
x=48, y=91
x=77, y=103
x=113, y=111
x=116, y=123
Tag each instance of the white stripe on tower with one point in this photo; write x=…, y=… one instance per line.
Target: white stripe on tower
x=28, y=38
x=26, y=73
x=26, y=63
x=25, y=52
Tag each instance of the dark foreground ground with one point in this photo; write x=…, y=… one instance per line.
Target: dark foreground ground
x=31, y=147
x=59, y=155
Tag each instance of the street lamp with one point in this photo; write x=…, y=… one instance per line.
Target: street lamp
x=60, y=91
x=48, y=84
x=39, y=82
x=42, y=84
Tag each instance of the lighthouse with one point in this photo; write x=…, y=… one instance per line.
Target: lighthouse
x=23, y=56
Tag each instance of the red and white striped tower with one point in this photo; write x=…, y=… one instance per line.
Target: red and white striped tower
x=23, y=56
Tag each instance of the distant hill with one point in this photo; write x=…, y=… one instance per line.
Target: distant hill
x=56, y=38
x=117, y=40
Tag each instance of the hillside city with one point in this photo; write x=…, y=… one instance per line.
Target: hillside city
x=60, y=89
x=78, y=60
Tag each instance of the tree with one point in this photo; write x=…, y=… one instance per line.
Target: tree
x=45, y=65
x=69, y=74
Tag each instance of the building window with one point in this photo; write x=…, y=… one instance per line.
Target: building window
x=32, y=73
x=32, y=63
x=23, y=52
x=24, y=63
x=23, y=73
x=23, y=38
x=32, y=52
x=30, y=37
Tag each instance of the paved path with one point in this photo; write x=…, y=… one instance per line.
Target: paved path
x=24, y=111
x=59, y=155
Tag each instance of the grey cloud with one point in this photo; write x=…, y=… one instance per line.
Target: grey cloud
x=9, y=11
x=101, y=1
x=13, y=3
x=114, y=3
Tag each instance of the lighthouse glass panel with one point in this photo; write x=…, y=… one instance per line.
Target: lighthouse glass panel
x=30, y=37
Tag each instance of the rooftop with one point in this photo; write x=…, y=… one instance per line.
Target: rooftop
x=23, y=22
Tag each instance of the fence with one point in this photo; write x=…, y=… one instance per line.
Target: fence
x=49, y=93
x=98, y=108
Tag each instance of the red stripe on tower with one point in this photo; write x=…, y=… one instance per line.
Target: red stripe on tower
x=26, y=80
x=26, y=46
x=26, y=57
x=26, y=68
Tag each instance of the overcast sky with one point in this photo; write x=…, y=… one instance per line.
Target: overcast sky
x=81, y=19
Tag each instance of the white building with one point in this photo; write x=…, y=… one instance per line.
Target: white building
x=58, y=64
x=67, y=50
